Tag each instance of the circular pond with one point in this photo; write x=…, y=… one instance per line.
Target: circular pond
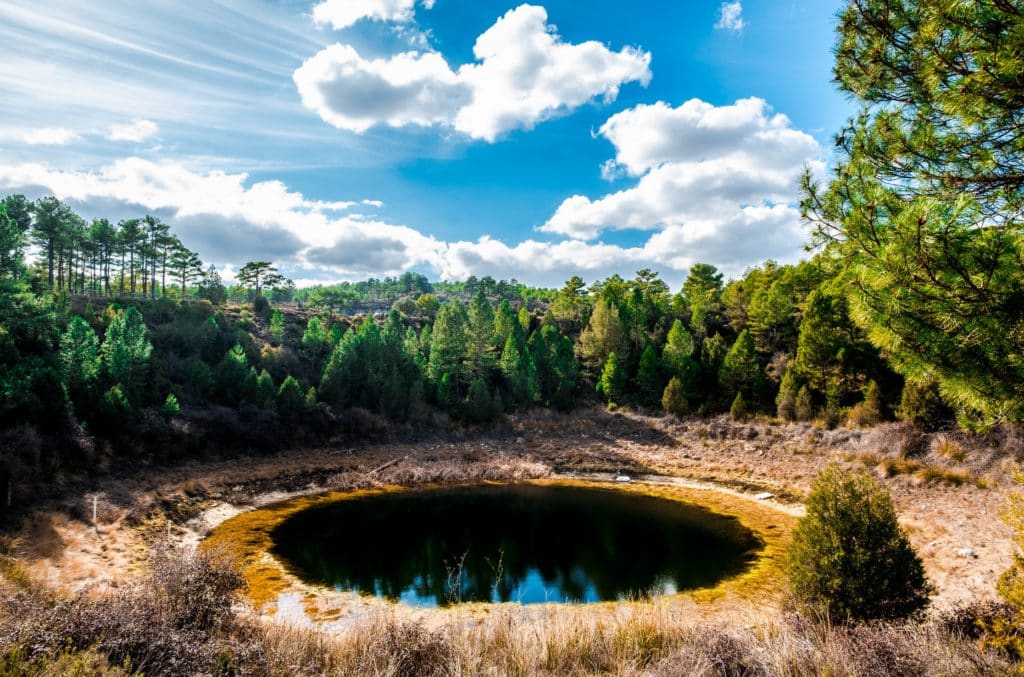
x=520, y=543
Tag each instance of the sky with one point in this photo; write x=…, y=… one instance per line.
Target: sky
x=346, y=139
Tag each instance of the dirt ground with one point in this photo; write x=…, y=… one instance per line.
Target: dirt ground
x=949, y=490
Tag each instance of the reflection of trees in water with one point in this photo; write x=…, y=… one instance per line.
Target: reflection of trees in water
x=481, y=543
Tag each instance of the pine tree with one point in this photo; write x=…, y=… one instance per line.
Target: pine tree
x=231, y=376
x=520, y=373
x=613, y=379
x=678, y=352
x=481, y=405
x=924, y=210
x=741, y=370
x=603, y=335
x=480, y=335
x=126, y=351
x=171, y=407
x=785, y=401
x=79, y=359
x=449, y=345
x=265, y=392
x=649, y=377
x=277, y=326
x=290, y=398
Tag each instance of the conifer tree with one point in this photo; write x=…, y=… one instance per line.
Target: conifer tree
x=924, y=212
x=603, y=335
x=741, y=370
x=480, y=335
x=649, y=377
x=785, y=401
x=126, y=351
x=277, y=326
x=290, y=398
x=79, y=359
x=849, y=556
x=678, y=352
x=738, y=410
x=520, y=372
x=673, y=399
x=613, y=379
x=449, y=344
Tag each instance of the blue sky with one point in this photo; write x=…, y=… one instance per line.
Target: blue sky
x=355, y=138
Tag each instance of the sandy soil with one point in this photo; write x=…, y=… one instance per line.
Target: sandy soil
x=952, y=514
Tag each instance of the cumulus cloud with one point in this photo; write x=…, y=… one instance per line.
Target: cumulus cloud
x=716, y=183
x=136, y=131
x=229, y=219
x=344, y=13
x=47, y=136
x=730, y=17
x=524, y=74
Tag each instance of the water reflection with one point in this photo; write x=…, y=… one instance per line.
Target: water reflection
x=522, y=543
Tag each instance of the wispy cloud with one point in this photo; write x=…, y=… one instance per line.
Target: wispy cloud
x=135, y=132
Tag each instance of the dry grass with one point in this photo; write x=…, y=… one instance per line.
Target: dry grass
x=649, y=639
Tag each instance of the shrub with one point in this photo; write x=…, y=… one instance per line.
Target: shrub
x=1005, y=631
x=738, y=410
x=673, y=400
x=171, y=407
x=785, y=402
x=803, y=408
x=922, y=406
x=849, y=558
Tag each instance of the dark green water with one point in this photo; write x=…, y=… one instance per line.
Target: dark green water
x=522, y=543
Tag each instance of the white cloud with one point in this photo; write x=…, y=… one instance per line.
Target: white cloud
x=524, y=74
x=47, y=136
x=229, y=219
x=353, y=93
x=345, y=13
x=731, y=17
x=717, y=182
x=136, y=131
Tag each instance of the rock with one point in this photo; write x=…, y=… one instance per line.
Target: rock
x=764, y=496
x=520, y=440
x=623, y=478
x=967, y=552
x=237, y=487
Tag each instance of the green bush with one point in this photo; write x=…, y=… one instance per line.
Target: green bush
x=849, y=558
x=673, y=400
x=738, y=410
x=922, y=406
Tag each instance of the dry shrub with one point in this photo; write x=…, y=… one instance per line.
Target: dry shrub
x=402, y=649
x=947, y=446
x=176, y=621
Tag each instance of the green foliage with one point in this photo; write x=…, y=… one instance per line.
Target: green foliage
x=613, y=379
x=678, y=351
x=603, y=335
x=803, y=407
x=231, y=376
x=649, y=376
x=277, y=326
x=849, y=557
x=171, y=407
x=1005, y=632
x=673, y=399
x=921, y=404
x=126, y=351
x=785, y=401
x=738, y=410
x=871, y=410
x=449, y=343
x=924, y=210
x=79, y=359
x=520, y=372
x=264, y=394
x=480, y=335
x=290, y=398
x=557, y=371
x=741, y=369
x=481, y=403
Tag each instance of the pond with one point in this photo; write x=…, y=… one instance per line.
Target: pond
x=520, y=543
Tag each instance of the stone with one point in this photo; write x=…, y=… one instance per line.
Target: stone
x=967, y=552
x=764, y=496
x=623, y=478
